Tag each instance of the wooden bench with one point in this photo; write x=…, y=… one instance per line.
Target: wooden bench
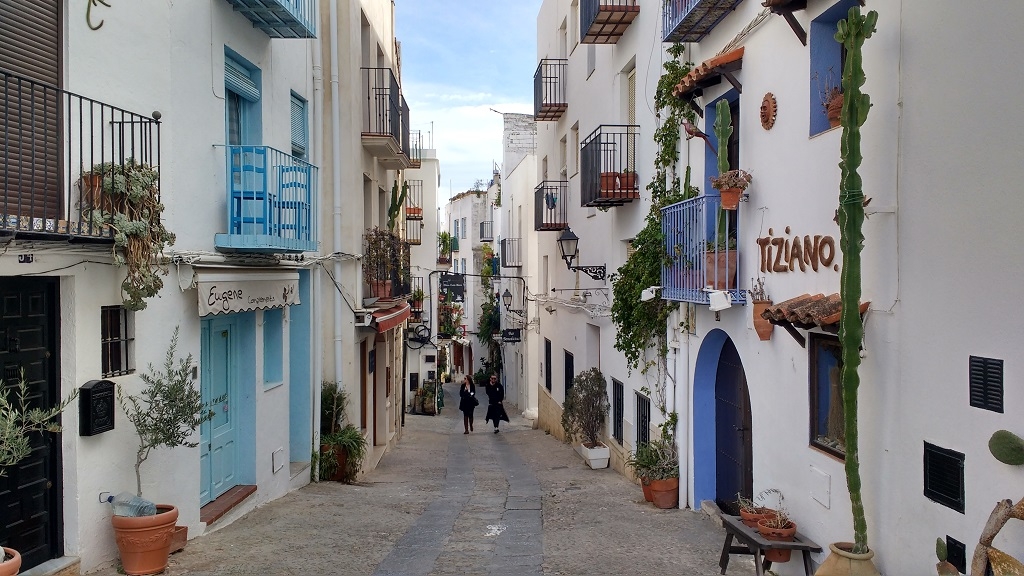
x=755, y=544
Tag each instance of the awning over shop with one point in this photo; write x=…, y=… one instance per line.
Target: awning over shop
x=388, y=318
x=808, y=311
x=227, y=290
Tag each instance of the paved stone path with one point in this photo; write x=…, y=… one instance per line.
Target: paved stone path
x=444, y=503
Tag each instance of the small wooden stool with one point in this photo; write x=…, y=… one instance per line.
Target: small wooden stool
x=755, y=544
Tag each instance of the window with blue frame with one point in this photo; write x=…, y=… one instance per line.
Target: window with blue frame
x=300, y=128
x=827, y=60
x=828, y=430
x=273, y=347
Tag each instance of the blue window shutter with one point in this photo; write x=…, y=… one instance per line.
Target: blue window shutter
x=300, y=138
x=238, y=79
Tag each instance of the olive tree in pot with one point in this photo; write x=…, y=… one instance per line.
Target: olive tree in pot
x=18, y=422
x=166, y=413
x=583, y=413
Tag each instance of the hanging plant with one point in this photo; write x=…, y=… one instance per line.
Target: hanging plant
x=126, y=199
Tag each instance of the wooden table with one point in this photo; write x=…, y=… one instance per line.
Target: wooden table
x=755, y=544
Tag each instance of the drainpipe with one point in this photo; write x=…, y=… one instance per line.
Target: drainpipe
x=336, y=184
x=315, y=274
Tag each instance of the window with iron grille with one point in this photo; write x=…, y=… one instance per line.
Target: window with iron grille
x=618, y=399
x=117, y=342
x=944, y=476
x=547, y=364
x=986, y=383
x=956, y=554
x=569, y=373
x=643, y=419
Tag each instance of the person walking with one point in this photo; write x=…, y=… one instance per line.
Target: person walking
x=495, y=396
x=467, y=403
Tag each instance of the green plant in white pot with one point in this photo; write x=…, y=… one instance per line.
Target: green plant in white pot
x=583, y=412
x=166, y=412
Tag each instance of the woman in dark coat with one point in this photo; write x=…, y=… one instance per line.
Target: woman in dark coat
x=467, y=403
x=495, y=395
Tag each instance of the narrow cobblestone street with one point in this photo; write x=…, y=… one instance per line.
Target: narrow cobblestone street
x=515, y=503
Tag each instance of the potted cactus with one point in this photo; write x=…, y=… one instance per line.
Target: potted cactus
x=729, y=183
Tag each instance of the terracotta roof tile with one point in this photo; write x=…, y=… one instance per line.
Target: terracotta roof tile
x=807, y=311
x=703, y=70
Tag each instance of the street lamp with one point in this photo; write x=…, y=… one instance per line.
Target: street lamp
x=568, y=246
x=507, y=299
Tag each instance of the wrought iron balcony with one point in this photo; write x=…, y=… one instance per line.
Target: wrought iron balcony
x=417, y=305
x=511, y=253
x=444, y=255
x=280, y=18
x=415, y=149
x=692, y=20
x=414, y=232
x=414, y=200
x=550, y=202
x=487, y=231
x=384, y=132
x=59, y=152
x=549, y=99
x=401, y=275
x=605, y=21
x=608, y=166
x=700, y=241
x=271, y=200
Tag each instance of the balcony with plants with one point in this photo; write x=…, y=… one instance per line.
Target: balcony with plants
x=511, y=252
x=550, y=202
x=701, y=251
x=692, y=20
x=386, y=263
x=414, y=200
x=385, y=124
x=549, y=84
x=444, y=250
x=605, y=21
x=272, y=202
x=608, y=167
x=280, y=18
x=487, y=231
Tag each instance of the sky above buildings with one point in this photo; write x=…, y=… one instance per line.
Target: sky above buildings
x=462, y=59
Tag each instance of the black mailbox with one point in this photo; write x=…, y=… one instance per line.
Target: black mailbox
x=96, y=407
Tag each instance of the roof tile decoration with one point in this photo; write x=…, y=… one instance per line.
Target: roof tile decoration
x=809, y=311
x=691, y=81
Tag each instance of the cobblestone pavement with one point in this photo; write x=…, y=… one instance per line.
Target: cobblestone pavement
x=442, y=502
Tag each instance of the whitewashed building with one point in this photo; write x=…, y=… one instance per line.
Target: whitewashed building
x=938, y=352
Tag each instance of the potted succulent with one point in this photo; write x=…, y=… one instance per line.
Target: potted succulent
x=18, y=423
x=166, y=413
x=417, y=298
x=760, y=302
x=583, y=412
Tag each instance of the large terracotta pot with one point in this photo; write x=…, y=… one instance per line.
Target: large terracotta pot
x=762, y=326
x=145, y=542
x=779, y=534
x=750, y=519
x=380, y=289
x=609, y=181
x=725, y=277
x=340, y=458
x=627, y=180
x=645, y=485
x=730, y=198
x=843, y=562
x=11, y=567
x=665, y=493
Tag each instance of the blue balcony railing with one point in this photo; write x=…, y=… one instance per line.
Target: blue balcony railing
x=698, y=261
x=280, y=18
x=272, y=202
x=692, y=20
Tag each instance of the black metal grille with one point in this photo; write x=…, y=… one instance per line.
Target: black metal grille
x=414, y=200
x=511, y=253
x=956, y=554
x=549, y=100
x=944, y=476
x=404, y=131
x=608, y=166
x=414, y=232
x=550, y=199
x=117, y=341
x=417, y=284
x=570, y=371
x=618, y=401
x=643, y=419
x=547, y=364
x=986, y=383
x=487, y=231
x=605, y=21
x=382, y=115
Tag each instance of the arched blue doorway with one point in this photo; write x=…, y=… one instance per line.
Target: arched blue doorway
x=722, y=454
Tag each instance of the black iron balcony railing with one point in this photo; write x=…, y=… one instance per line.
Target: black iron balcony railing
x=280, y=18
x=549, y=99
x=405, y=132
x=511, y=253
x=272, y=202
x=701, y=244
x=608, y=166
x=414, y=200
x=692, y=20
x=401, y=273
x=415, y=149
x=605, y=21
x=487, y=231
x=550, y=205
x=414, y=232
x=382, y=261
x=444, y=254
x=58, y=153
x=417, y=286
x=385, y=128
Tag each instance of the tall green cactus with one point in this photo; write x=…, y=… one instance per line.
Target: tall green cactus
x=851, y=33
x=723, y=130
x=397, y=202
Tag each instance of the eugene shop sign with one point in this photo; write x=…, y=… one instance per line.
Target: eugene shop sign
x=225, y=293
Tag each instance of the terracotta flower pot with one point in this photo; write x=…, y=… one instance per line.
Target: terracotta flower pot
x=627, y=180
x=762, y=326
x=413, y=213
x=380, y=289
x=843, y=562
x=179, y=538
x=609, y=181
x=645, y=485
x=835, y=110
x=10, y=567
x=779, y=534
x=752, y=518
x=665, y=493
x=340, y=459
x=730, y=198
x=724, y=277
x=145, y=542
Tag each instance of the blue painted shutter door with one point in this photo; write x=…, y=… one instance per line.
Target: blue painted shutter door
x=299, y=137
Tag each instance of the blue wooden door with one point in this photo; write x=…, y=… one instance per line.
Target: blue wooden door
x=218, y=443
x=733, y=458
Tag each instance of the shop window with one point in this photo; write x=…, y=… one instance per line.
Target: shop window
x=117, y=341
x=828, y=430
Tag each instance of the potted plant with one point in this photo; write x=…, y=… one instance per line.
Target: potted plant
x=729, y=183
x=779, y=527
x=379, y=256
x=760, y=301
x=753, y=511
x=664, y=474
x=342, y=446
x=444, y=249
x=166, y=413
x=417, y=299
x=627, y=180
x=583, y=412
x=642, y=461
x=721, y=257
x=609, y=182
x=18, y=423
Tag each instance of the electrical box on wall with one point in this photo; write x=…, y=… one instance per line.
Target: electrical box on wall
x=95, y=407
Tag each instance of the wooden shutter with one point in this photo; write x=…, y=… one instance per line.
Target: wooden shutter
x=30, y=125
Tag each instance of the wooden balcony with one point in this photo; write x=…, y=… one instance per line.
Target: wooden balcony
x=692, y=20
x=605, y=21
